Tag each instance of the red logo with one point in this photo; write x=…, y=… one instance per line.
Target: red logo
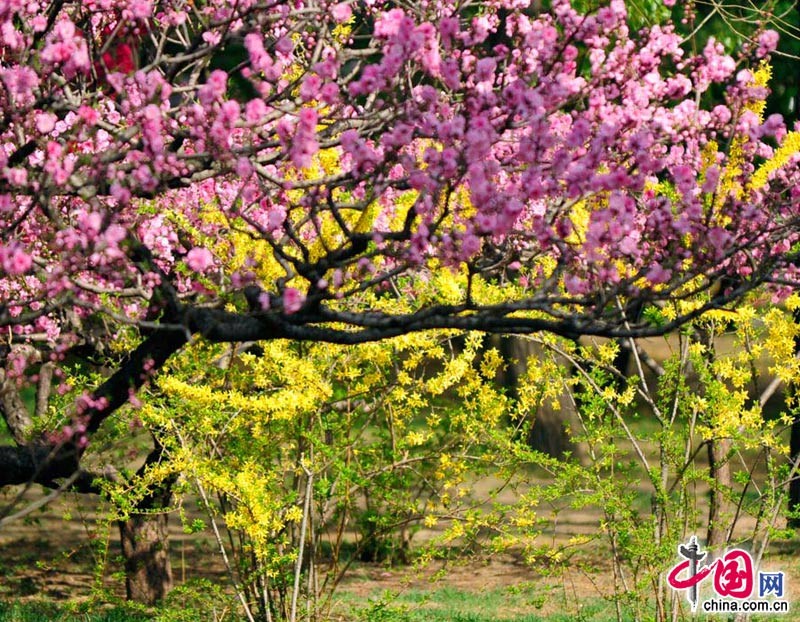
x=733, y=573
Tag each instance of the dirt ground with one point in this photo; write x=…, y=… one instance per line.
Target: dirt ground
x=60, y=552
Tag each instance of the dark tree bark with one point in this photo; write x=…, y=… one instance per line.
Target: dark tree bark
x=145, y=547
x=145, y=540
x=794, y=484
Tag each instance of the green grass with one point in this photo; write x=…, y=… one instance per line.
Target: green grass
x=521, y=603
x=517, y=604
x=50, y=612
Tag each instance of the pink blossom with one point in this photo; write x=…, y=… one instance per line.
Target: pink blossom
x=363, y=157
x=718, y=65
x=284, y=46
x=329, y=93
x=448, y=29
x=66, y=47
x=484, y=70
x=259, y=59
x=14, y=260
x=481, y=27
x=21, y=83
x=470, y=245
x=428, y=52
x=774, y=126
x=39, y=23
x=328, y=68
x=292, y=300
x=310, y=88
x=141, y=9
x=199, y=259
x=575, y=285
x=17, y=176
x=45, y=122
x=89, y=115
x=135, y=403
x=244, y=167
x=451, y=74
x=721, y=114
x=222, y=128
x=275, y=218
x=212, y=37
x=305, y=144
x=718, y=238
x=658, y=274
x=214, y=88
x=389, y=23
x=90, y=223
x=463, y=146
x=120, y=193
x=254, y=111
x=341, y=12
x=143, y=175
x=767, y=43
x=711, y=179
x=60, y=168
x=152, y=129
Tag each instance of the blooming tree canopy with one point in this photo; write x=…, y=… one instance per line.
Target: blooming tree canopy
x=258, y=169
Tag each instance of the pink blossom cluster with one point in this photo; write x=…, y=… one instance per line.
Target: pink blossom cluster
x=483, y=141
x=15, y=260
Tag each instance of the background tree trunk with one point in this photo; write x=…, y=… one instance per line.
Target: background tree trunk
x=550, y=430
x=794, y=483
x=794, y=445
x=720, y=506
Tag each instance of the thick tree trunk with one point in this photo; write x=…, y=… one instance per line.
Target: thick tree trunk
x=145, y=541
x=720, y=506
x=145, y=548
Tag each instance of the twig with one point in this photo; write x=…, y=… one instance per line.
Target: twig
x=43, y=501
x=303, y=525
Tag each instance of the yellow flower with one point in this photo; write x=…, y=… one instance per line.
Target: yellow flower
x=788, y=149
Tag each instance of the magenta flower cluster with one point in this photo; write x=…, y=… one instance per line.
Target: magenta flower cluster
x=519, y=138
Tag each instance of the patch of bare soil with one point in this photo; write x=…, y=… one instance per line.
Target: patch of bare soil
x=67, y=549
